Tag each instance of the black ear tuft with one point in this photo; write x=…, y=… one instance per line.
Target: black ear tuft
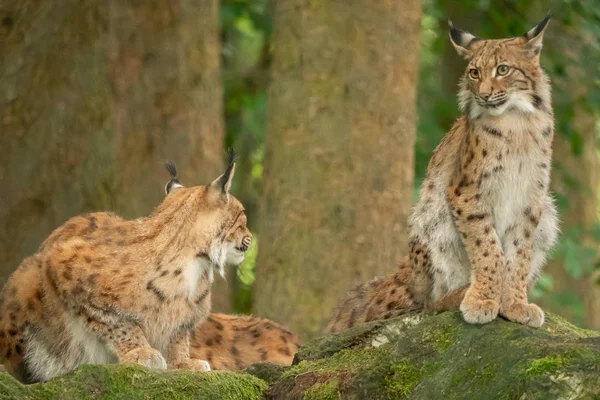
x=223, y=182
x=172, y=168
x=174, y=182
x=226, y=179
x=462, y=40
x=231, y=157
x=455, y=34
x=539, y=28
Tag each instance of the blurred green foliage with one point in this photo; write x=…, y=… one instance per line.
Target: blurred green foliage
x=246, y=29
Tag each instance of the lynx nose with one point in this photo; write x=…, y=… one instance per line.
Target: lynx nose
x=246, y=241
x=484, y=96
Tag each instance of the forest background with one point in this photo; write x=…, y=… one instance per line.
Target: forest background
x=334, y=108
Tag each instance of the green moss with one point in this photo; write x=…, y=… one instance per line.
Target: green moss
x=268, y=372
x=404, y=377
x=344, y=360
x=479, y=374
x=323, y=391
x=136, y=382
x=442, y=337
x=557, y=326
x=548, y=364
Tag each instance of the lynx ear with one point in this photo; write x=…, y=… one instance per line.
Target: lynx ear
x=174, y=182
x=223, y=182
x=533, y=38
x=462, y=41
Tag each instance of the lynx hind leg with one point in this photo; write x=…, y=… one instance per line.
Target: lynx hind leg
x=20, y=307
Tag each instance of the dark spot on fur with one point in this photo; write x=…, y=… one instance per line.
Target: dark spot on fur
x=159, y=294
x=285, y=351
x=93, y=226
x=263, y=354
x=492, y=131
x=77, y=290
x=472, y=217
x=537, y=101
x=201, y=298
x=218, y=339
x=177, y=272
x=68, y=274
x=547, y=131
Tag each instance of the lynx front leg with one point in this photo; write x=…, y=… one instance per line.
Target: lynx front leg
x=130, y=342
x=519, y=250
x=178, y=354
x=481, y=302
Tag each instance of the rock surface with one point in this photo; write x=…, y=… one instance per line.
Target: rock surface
x=419, y=356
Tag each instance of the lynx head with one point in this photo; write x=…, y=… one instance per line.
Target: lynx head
x=502, y=75
x=213, y=221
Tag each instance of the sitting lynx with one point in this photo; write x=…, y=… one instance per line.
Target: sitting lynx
x=102, y=289
x=484, y=221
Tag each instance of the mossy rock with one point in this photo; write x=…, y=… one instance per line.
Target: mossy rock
x=129, y=382
x=425, y=356
x=418, y=356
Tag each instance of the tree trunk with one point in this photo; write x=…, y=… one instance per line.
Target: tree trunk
x=339, y=153
x=575, y=172
x=94, y=96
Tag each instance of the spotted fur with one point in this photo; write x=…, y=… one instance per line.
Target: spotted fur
x=102, y=289
x=234, y=342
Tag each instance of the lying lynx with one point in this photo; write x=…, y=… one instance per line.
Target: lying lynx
x=102, y=289
x=484, y=221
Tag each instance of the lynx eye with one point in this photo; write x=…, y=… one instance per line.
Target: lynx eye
x=474, y=73
x=502, y=69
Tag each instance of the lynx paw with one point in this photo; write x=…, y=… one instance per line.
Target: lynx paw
x=195, y=365
x=479, y=311
x=526, y=314
x=149, y=358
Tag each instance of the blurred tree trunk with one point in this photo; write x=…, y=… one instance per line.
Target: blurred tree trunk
x=581, y=214
x=575, y=172
x=339, y=153
x=94, y=96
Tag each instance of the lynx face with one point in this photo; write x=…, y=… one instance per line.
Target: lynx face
x=220, y=232
x=502, y=75
x=238, y=239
